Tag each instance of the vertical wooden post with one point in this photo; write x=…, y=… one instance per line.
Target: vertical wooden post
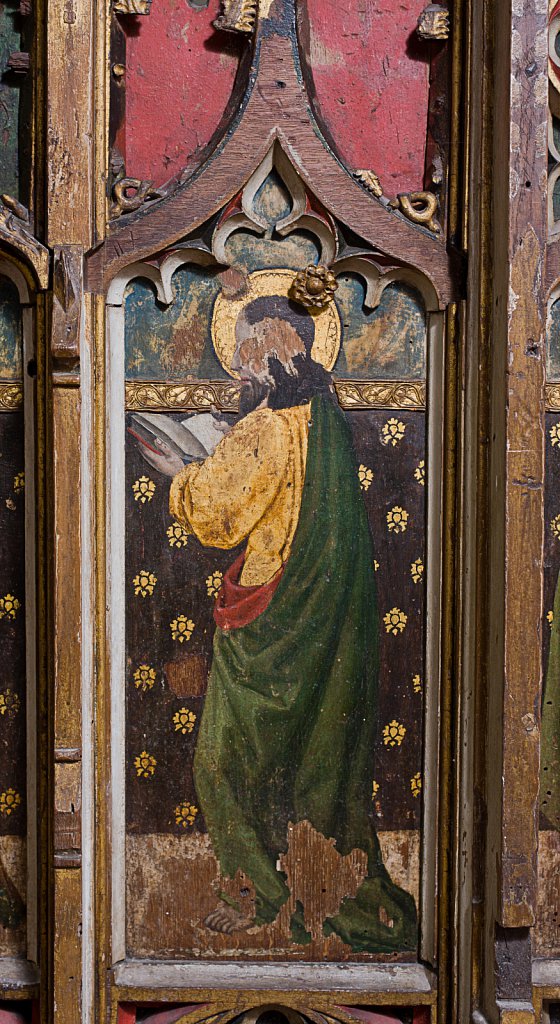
x=516, y=494
x=69, y=232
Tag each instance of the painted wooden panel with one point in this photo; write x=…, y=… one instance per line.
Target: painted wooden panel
x=172, y=582
x=176, y=582
x=15, y=127
x=371, y=78
x=12, y=635
x=171, y=112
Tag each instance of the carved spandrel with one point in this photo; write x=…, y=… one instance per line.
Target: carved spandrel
x=15, y=230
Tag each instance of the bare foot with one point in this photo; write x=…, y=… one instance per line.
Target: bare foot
x=385, y=919
x=227, y=919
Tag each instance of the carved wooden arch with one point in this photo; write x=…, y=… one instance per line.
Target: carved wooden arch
x=17, y=237
x=275, y=98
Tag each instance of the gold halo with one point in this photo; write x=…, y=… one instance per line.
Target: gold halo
x=271, y=282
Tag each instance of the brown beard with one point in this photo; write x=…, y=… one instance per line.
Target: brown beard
x=252, y=393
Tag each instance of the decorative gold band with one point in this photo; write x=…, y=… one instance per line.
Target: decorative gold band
x=224, y=395
x=11, y=396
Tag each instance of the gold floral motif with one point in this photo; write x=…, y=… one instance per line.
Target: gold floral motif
x=144, y=677
x=8, y=606
x=417, y=570
x=143, y=489
x=555, y=526
x=419, y=473
x=555, y=433
x=550, y=617
x=145, y=765
x=393, y=734
x=374, y=789
x=395, y=621
x=19, y=482
x=11, y=395
x=184, y=720
x=313, y=287
x=375, y=565
x=365, y=476
x=397, y=519
x=177, y=535
x=417, y=684
x=185, y=814
x=392, y=431
x=144, y=583
x=416, y=784
x=214, y=582
x=9, y=703
x=181, y=628
x=9, y=800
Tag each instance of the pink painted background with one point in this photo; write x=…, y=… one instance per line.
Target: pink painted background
x=371, y=76
x=369, y=70
x=179, y=78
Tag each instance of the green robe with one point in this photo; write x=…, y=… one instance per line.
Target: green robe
x=289, y=723
x=550, y=738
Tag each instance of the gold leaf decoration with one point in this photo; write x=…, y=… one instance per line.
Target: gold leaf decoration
x=181, y=628
x=185, y=814
x=393, y=734
x=8, y=606
x=370, y=181
x=9, y=801
x=145, y=765
x=144, y=583
x=417, y=570
x=419, y=473
x=395, y=621
x=392, y=431
x=9, y=703
x=214, y=582
x=365, y=476
x=144, y=677
x=178, y=536
x=143, y=489
x=416, y=784
x=184, y=720
x=313, y=287
x=397, y=519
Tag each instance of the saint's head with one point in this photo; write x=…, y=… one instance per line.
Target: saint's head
x=274, y=341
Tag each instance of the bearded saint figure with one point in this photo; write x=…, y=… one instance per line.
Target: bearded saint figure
x=289, y=721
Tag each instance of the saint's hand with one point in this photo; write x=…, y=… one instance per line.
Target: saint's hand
x=166, y=461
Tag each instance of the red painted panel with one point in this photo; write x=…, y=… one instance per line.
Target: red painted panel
x=180, y=74
x=371, y=76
